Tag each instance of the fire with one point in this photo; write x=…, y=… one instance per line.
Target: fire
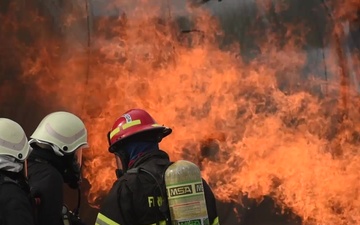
x=255, y=127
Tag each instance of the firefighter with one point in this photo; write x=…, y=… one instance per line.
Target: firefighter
x=134, y=197
x=57, y=146
x=15, y=203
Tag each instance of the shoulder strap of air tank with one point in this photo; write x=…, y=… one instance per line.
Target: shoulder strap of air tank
x=136, y=170
x=164, y=207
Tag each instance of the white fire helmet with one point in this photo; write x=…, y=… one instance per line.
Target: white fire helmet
x=13, y=141
x=64, y=131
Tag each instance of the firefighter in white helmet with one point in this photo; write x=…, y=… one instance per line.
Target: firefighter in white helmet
x=15, y=204
x=57, y=146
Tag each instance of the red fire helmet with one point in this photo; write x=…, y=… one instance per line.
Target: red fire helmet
x=135, y=124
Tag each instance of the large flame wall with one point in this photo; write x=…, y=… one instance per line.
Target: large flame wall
x=273, y=111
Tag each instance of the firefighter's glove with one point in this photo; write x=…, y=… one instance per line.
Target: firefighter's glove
x=74, y=219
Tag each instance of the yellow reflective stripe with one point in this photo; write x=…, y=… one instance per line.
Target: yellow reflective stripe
x=130, y=124
x=163, y=222
x=103, y=220
x=216, y=221
x=115, y=131
x=125, y=126
x=156, y=125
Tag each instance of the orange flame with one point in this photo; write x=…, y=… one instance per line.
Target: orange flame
x=256, y=128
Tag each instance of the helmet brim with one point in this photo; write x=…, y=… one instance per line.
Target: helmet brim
x=148, y=133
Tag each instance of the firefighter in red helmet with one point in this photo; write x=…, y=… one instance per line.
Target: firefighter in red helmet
x=138, y=196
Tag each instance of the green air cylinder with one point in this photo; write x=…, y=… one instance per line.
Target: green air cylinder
x=185, y=193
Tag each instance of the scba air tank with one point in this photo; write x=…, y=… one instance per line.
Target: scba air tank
x=185, y=193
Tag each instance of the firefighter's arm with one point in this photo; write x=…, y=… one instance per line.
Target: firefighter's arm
x=109, y=209
x=17, y=208
x=125, y=202
x=116, y=208
x=210, y=204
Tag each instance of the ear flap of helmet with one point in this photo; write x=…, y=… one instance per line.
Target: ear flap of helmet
x=111, y=149
x=108, y=138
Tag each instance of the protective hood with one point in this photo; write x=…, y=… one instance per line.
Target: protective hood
x=9, y=163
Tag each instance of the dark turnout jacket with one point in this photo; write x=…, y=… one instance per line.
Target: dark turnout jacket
x=15, y=202
x=136, y=198
x=46, y=184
